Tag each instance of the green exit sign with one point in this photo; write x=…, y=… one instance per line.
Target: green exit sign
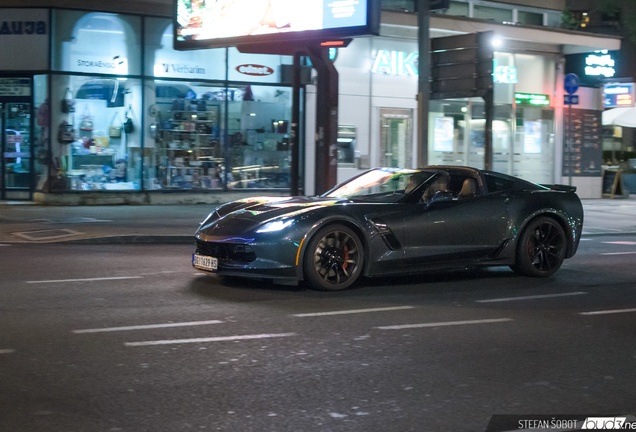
x=532, y=99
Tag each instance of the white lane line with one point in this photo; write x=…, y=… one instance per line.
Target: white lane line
x=353, y=311
x=629, y=243
x=149, y=326
x=7, y=351
x=210, y=339
x=505, y=299
x=442, y=324
x=158, y=273
x=85, y=280
x=618, y=253
x=605, y=312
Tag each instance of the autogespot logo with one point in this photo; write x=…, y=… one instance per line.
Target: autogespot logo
x=255, y=70
x=607, y=423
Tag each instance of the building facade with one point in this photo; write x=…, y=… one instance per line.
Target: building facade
x=97, y=107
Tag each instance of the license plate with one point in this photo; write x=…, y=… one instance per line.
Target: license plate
x=204, y=262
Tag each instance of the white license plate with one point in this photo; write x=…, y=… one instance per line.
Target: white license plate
x=204, y=262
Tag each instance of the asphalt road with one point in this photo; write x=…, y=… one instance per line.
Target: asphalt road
x=130, y=338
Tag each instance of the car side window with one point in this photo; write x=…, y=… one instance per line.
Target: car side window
x=496, y=183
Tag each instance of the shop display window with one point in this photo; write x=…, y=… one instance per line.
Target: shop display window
x=184, y=147
x=97, y=129
x=259, y=129
x=41, y=130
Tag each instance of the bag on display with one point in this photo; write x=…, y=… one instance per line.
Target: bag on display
x=65, y=133
x=100, y=139
x=114, y=131
x=43, y=114
x=178, y=104
x=68, y=103
x=128, y=123
x=87, y=120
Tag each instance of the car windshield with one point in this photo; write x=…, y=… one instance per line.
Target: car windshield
x=381, y=185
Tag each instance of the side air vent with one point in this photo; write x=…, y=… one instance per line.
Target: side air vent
x=386, y=234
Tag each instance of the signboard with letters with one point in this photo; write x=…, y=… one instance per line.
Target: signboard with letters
x=618, y=95
x=586, y=144
x=16, y=87
x=202, y=24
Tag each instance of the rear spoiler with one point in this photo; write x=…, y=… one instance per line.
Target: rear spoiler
x=560, y=187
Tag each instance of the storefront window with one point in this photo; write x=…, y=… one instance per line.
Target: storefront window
x=184, y=145
x=96, y=42
x=97, y=123
x=41, y=131
x=259, y=136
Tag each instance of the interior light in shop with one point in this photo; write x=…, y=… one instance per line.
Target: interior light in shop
x=464, y=109
x=122, y=79
x=253, y=114
x=497, y=42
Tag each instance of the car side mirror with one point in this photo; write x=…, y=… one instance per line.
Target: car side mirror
x=442, y=196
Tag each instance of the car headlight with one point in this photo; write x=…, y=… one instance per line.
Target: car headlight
x=274, y=226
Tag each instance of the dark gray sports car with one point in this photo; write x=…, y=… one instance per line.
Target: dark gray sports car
x=390, y=221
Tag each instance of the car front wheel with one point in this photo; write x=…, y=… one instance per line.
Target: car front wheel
x=334, y=258
x=541, y=248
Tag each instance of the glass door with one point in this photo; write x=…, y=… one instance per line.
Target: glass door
x=16, y=150
x=396, y=137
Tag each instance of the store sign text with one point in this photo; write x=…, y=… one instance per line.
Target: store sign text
x=600, y=63
x=181, y=68
x=254, y=70
x=22, y=27
x=400, y=63
x=532, y=99
x=115, y=63
x=618, y=95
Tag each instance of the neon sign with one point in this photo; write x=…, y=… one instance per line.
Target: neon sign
x=395, y=63
x=400, y=63
x=600, y=63
x=532, y=99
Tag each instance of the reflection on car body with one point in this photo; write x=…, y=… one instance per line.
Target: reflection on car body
x=390, y=221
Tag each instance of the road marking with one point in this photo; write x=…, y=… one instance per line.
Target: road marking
x=210, y=339
x=353, y=311
x=630, y=243
x=618, y=253
x=149, y=326
x=505, y=299
x=442, y=324
x=85, y=280
x=605, y=312
x=7, y=351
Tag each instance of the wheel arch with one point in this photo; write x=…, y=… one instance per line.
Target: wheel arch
x=557, y=216
x=335, y=220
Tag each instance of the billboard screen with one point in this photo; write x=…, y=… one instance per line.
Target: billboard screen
x=218, y=23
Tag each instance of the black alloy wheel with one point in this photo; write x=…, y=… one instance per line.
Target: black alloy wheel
x=334, y=258
x=541, y=248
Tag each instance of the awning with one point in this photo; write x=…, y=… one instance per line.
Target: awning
x=625, y=117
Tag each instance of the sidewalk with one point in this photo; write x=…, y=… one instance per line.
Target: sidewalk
x=26, y=223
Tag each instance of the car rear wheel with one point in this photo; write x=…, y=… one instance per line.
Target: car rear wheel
x=541, y=248
x=334, y=258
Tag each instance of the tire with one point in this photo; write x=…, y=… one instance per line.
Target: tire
x=333, y=259
x=541, y=248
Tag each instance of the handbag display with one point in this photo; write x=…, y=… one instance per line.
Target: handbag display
x=65, y=133
x=87, y=121
x=128, y=123
x=68, y=103
x=114, y=131
x=100, y=139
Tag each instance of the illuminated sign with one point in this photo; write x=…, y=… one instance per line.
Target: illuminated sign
x=254, y=70
x=400, y=63
x=220, y=23
x=395, y=63
x=618, y=95
x=532, y=99
x=600, y=63
x=504, y=74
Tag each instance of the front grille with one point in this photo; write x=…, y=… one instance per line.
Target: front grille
x=226, y=252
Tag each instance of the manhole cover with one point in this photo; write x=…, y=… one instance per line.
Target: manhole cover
x=47, y=234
